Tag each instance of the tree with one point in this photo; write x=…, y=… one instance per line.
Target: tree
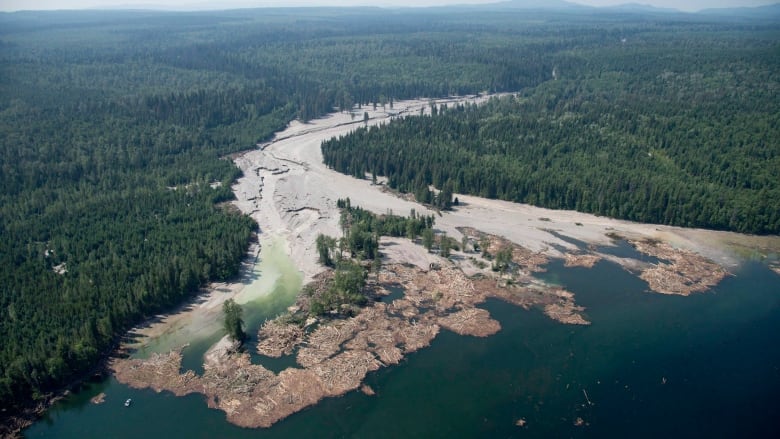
x=464, y=241
x=411, y=230
x=445, y=245
x=427, y=238
x=444, y=199
x=234, y=323
x=503, y=259
x=349, y=281
x=325, y=245
x=484, y=243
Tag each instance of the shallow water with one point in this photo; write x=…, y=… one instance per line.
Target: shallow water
x=272, y=288
x=651, y=365
x=268, y=289
x=623, y=249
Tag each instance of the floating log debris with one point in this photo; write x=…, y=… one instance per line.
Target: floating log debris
x=335, y=357
x=335, y=354
x=581, y=260
x=680, y=271
x=277, y=338
x=586, y=397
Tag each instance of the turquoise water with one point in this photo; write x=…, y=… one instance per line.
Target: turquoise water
x=270, y=288
x=717, y=352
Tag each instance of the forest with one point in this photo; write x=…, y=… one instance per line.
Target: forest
x=679, y=129
x=116, y=129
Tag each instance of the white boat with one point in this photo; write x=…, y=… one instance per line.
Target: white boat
x=128, y=402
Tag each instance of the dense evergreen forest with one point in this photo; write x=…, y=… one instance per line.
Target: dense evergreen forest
x=675, y=128
x=114, y=128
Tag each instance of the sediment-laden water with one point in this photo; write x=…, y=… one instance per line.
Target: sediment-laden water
x=650, y=365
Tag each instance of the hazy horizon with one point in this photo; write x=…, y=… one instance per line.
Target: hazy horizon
x=17, y=5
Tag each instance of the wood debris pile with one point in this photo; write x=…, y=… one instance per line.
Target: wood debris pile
x=277, y=338
x=250, y=395
x=335, y=357
x=471, y=321
x=448, y=291
x=533, y=262
x=563, y=308
x=100, y=398
x=159, y=372
x=581, y=260
x=566, y=312
x=527, y=260
x=680, y=272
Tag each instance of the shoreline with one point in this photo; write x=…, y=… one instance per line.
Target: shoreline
x=292, y=195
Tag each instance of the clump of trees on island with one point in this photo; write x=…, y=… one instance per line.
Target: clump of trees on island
x=356, y=252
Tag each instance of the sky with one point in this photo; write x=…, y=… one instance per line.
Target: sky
x=14, y=5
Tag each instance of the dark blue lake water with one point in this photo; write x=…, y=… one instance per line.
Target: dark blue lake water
x=650, y=365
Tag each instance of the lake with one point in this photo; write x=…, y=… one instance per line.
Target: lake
x=650, y=365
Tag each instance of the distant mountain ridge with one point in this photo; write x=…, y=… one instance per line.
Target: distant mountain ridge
x=641, y=8
x=541, y=4
x=768, y=11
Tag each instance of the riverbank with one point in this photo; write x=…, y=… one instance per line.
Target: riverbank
x=292, y=196
x=334, y=356
x=294, y=200
x=287, y=189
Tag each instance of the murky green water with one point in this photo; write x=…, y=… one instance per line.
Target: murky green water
x=651, y=365
x=270, y=289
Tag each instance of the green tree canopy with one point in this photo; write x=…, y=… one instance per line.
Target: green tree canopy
x=233, y=320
